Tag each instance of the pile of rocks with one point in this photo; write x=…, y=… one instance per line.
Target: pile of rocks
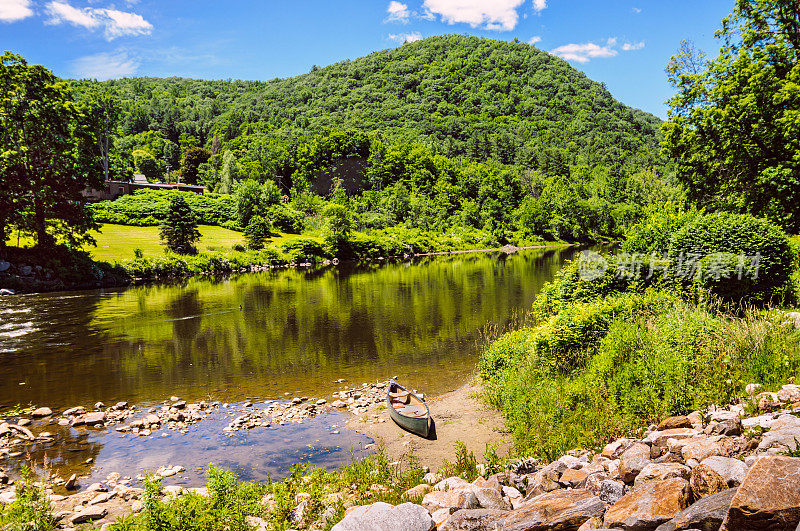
x=174, y=415
x=358, y=400
x=276, y=413
x=713, y=470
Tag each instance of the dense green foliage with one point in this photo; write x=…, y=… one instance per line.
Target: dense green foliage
x=256, y=232
x=48, y=154
x=179, y=231
x=150, y=207
x=604, y=354
x=450, y=133
x=734, y=123
x=754, y=249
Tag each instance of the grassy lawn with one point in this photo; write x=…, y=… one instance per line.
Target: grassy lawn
x=117, y=242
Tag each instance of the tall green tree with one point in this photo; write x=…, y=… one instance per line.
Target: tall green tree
x=179, y=231
x=192, y=159
x=103, y=111
x=48, y=155
x=734, y=127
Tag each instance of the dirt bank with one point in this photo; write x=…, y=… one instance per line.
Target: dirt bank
x=459, y=415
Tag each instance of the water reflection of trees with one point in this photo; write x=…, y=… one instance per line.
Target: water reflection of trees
x=331, y=319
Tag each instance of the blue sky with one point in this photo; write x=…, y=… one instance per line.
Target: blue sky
x=624, y=43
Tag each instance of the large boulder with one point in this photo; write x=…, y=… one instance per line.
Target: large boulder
x=646, y=508
x=564, y=510
x=611, y=491
x=633, y=460
x=731, y=470
x=701, y=448
x=706, y=514
x=473, y=520
x=404, y=517
x=452, y=499
x=769, y=497
x=705, y=481
x=660, y=472
x=675, y=422
x=780, y=439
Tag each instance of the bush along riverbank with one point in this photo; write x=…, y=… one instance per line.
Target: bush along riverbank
x=731, y=468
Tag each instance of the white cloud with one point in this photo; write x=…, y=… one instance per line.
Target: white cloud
x=61, y=13
x=583, y=53
x=104, y=66
x=533, y=40
x=636, y=10
x=14, y=10
x=114, y=23
x=539, y=5
x=405, y=37
x=120, y=23
x=398, y=12
x=498, y=15
x=632, y=46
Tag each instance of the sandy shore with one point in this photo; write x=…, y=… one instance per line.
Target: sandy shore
x=459, y=415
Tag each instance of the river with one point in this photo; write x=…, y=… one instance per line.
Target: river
x=254, y=337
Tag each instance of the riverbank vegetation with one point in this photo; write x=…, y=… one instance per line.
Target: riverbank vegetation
x=606, y=351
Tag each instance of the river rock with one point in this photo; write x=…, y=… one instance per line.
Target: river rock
x=88, y=514
x=780, y=440
x=72, y=482
x=705, y=481
x=417, y=492
x=731, y=428
x=706, y=514
x=675, y=422
x=633, y=460
x=769, y=497
x=611, y=491
x=731, y=470
x=650, y=506
x=453, y=499
x=660, y=472
x=94, y=418
x=404, y=517
x=78, y=410
x=42, y=412
x=4, y=266
x=562, y=509
x=470, y=519
x=701, y=448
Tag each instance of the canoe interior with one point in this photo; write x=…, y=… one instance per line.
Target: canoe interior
x=408, y=410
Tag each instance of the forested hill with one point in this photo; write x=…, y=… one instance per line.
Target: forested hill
x=458, y=95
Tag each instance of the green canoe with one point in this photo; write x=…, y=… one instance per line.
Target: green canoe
x=408, y=410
